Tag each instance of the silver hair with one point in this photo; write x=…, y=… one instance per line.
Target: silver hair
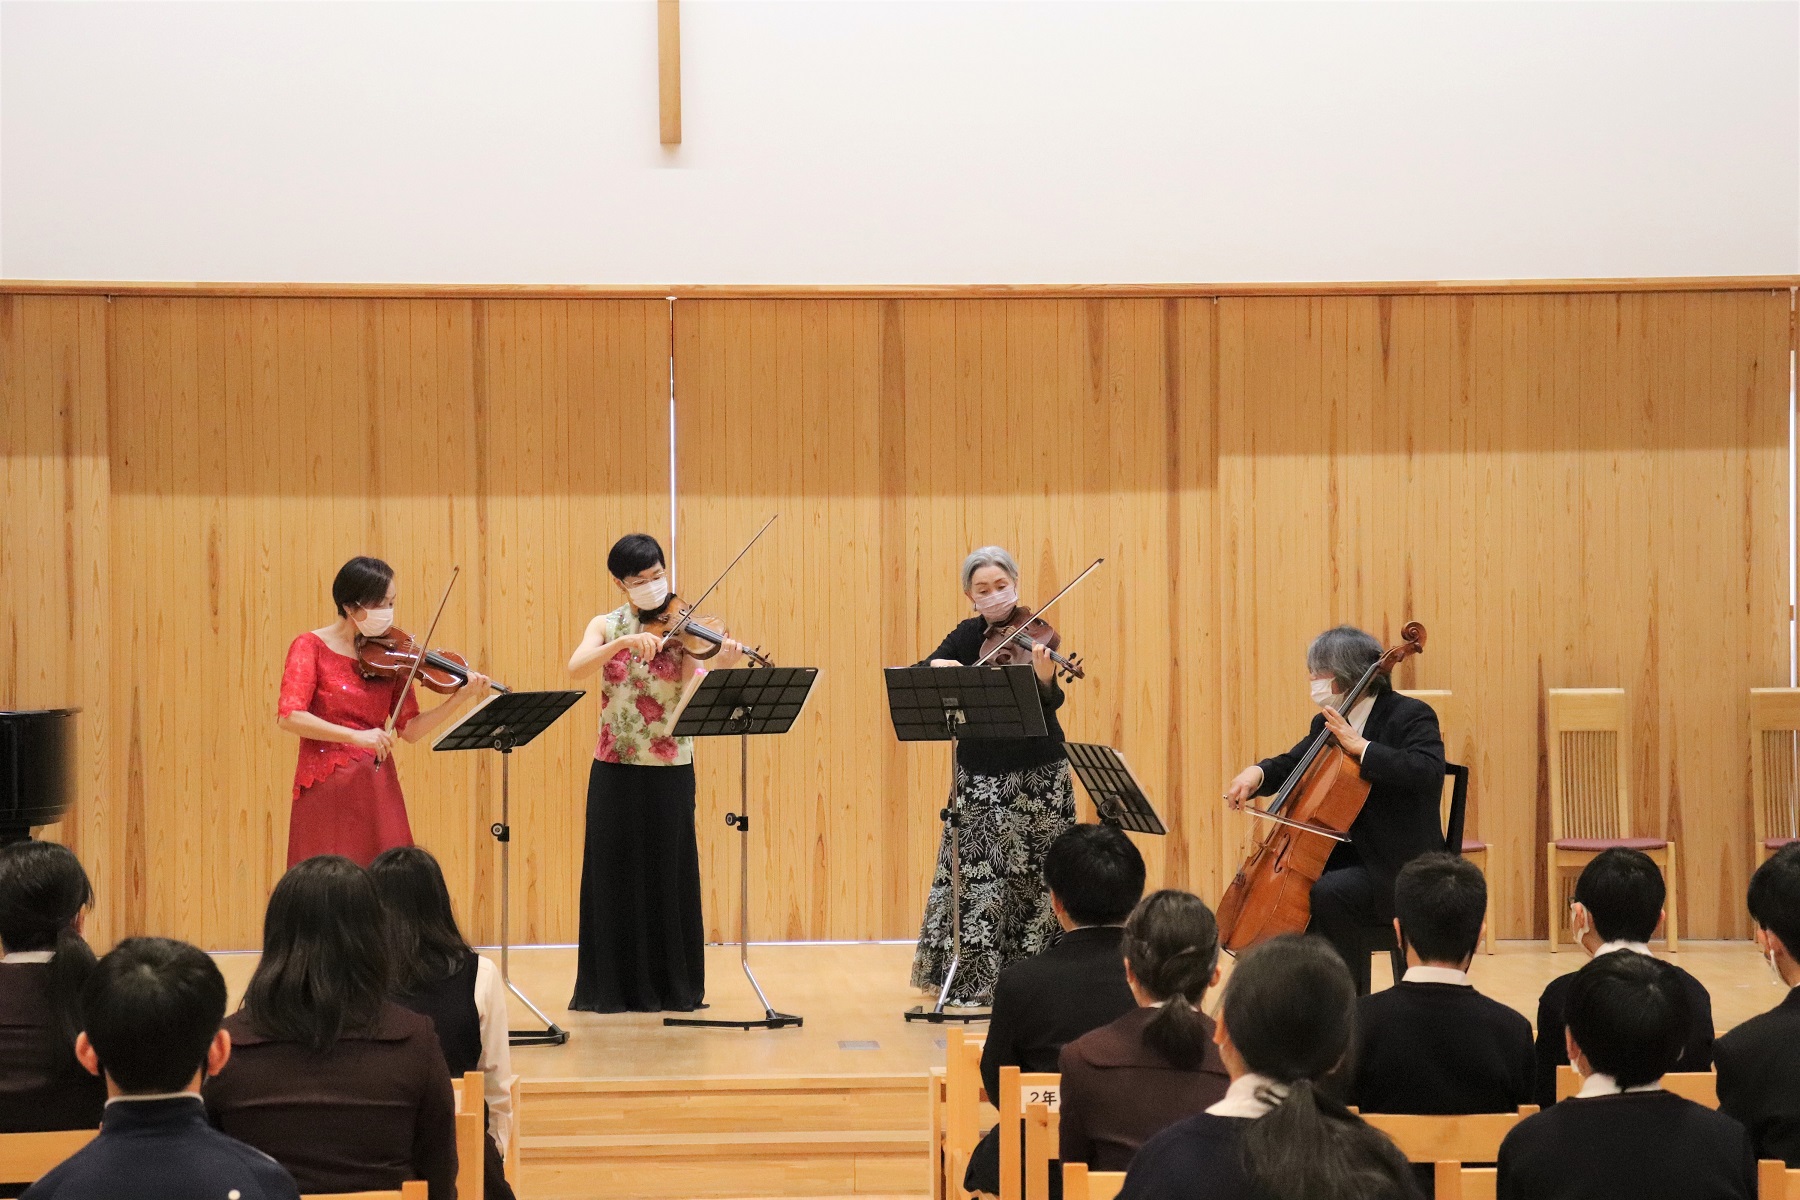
x=989, y=556
x=1345, y=653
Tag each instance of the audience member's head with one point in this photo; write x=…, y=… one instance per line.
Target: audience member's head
x=1775, y=907
x=43, y=893
x=1618, y=897
x=1289, y=1015
x=1171, y=958
x=1627, y=1017
x=425, y=946
x=151, y=1011
x=324, y=968
x=1440, y=902
x=1096, y=875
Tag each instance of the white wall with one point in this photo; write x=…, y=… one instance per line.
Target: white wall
x=894, y=141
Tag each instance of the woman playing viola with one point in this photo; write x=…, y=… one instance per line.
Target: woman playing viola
x=642, y=939
x=1017, y=795
x=347, y=796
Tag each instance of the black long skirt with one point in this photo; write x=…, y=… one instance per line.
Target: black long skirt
x=642, y=939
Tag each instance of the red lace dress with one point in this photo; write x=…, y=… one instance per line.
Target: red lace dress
x=343, y=803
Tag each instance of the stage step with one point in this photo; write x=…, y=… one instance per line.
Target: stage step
x=719, y=1137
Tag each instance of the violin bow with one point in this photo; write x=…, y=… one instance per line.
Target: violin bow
x=419, y=658
x=695, y=606
x=1048, y=605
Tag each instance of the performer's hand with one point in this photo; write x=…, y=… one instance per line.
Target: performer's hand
x=1352, y=743
x=731, y=654
x=1243, y=787
x=945, y=662
x=1040, y=662
x=475, y=685
x=645, y=645
x=378, y=740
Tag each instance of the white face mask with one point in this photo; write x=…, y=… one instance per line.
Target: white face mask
x=646, y=596
x=996, y=605
x=1320, y=691
x=376, y=621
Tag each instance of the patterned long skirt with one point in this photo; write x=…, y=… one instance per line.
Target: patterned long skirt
x=1008, y=824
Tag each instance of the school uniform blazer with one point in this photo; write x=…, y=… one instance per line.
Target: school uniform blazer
x=1404, y=765
x=1635, y=1145
x=164, y=1150
x=1118, y=1092
x=42, y=1086
x=1044, y=1002
x=1759, y=1079
x=1440, y=1049
x=1553, y=1049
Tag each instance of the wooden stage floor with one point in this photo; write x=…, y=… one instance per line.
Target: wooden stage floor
x=632, y=1109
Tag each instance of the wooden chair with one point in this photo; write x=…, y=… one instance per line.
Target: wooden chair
x=471, y=1134
x=1774, y=768
x=412, y=1189
x=936, y=1087
x=962, y=1109
x=1775, y=1180
x=26, y=1157
x=1043, y=1129
x=1590, y=796
x=1702, y=1087
x=1475, y=1137
x=1459, y=747
x=1079, y=1183
x=512, y=1142
x=1018, y=1089
x=1457, y=1182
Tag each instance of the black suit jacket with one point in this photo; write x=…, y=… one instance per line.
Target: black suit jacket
x=1048, y=1000
x=1639, y=1145
x=1404, y=765
x=1759, y=1079
x=1440, y=1048
x=164, y=1150
x=1553, y=1050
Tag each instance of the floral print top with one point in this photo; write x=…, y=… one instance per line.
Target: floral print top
x=637, y=702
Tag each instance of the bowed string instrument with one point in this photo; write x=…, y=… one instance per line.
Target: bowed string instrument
x=1308, y=816
x=394, y=654
x=1010, y=643
x=700, y=635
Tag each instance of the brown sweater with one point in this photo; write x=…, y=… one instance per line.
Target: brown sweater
x=366, y=1115
x=41, y=1084
x=1118, y=1093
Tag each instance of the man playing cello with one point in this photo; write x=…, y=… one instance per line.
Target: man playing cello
x=1395, y=741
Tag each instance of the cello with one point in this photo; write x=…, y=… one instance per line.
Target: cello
x=1309, y=815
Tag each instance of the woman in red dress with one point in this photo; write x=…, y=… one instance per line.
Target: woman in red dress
x=346, y=793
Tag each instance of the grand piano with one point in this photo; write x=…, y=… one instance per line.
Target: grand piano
x=37, y=769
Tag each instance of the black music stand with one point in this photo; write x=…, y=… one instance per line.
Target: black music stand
x=504, y=722
x=953, y=704
x=741, y=702
x=1118, y=797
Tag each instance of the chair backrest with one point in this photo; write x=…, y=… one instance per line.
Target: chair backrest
x=1017, y=1089
x=1474, y=1137
x=471, y=1134
x=26, y=1157
x=1457, y=1182
x=1702, y=1087
x=412, y=1189
x=1775, y=1180
x=1079, y=1183
x=962, y=1105
x=1454, y=726
x=1590, y=789
x=1775, y=762
x=1043, y=1130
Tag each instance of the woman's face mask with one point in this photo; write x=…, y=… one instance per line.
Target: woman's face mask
x=649, y=594
x=375, y=621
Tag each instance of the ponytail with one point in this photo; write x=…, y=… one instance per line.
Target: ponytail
x=1172, y=944
x=1178, y=1031
x=42, y=892
x=1309, y=1145
x=70, y=966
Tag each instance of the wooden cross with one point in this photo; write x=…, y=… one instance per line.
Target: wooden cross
x=668, y=69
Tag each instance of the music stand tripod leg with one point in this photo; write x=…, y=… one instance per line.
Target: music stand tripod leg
x=552, y=1034
x=740, y=820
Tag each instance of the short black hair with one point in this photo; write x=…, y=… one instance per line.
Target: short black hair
x=363, y=582
x=1775, y=896
x=633, y=553
x=1623, y=891
x=425, y=946
x=1096, y=872
x=324, y=971
x=1629, y=1015
x=1440, y=900
x=150, y=1010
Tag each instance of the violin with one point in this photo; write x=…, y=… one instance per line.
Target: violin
x=395, y=654
x=1310, y=814
x=700, y=635
x=1010, y=644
